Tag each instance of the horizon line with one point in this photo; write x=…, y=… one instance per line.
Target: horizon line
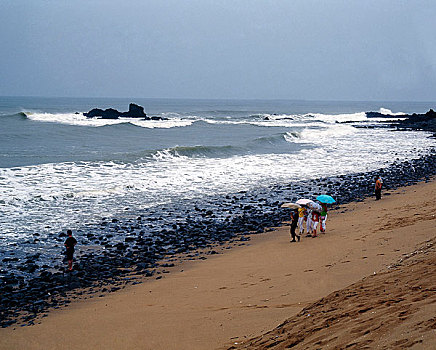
x=212, y=99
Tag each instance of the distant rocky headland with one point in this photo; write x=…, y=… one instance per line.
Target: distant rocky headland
x=134, y=111
x=413, y=121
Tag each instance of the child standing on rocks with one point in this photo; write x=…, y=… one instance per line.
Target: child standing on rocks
x=70, y=242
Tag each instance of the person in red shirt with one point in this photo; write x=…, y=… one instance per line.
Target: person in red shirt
x=378, y=188
x=315, y=220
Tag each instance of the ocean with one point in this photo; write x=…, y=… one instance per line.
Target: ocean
x=59, y=169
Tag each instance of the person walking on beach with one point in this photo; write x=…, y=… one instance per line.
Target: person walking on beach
x=323, y=217
x=309, y=223
x=315, y=220
x=294, y=218
x=378, y=188
x=301, y=216
x=70, y=242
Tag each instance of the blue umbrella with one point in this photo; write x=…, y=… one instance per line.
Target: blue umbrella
x=325, y=198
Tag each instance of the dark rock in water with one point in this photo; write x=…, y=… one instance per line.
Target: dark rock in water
x=134, y=111
x=381, y=115
x=413, y=121
x=109, y=113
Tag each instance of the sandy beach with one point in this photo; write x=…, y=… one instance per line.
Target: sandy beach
x=377, y=258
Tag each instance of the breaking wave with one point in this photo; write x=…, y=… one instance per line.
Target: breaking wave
x=80, y=120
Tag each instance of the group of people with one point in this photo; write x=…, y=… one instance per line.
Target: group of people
x=311, y=217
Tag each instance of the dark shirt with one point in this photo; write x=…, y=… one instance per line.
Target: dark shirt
x=70, y=243
x=294, y=218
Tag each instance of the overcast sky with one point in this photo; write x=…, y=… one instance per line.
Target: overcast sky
x=318, y=50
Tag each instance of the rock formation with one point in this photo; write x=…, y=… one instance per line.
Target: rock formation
x=135, y=111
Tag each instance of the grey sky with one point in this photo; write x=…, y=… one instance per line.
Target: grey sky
x=339, y=50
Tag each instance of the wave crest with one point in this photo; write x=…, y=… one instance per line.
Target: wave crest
x=78, y=119
x=196, y=152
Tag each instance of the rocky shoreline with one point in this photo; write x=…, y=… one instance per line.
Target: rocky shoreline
x=424, y=122
x=137, y=244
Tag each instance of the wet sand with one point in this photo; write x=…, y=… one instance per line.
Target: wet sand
x=246, y=291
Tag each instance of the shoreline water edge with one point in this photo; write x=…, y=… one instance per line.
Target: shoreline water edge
x=37, y=286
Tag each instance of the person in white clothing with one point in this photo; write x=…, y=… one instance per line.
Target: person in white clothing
x=309, y=223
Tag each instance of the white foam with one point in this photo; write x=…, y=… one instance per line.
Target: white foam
x=174, y=119
x=80, y=120
x=301, y=120
x=322, y=135
x=386, y=111
x=316, y=118
x=341, y=118
x=72, y=119
x=163, y=124
x=70, y=193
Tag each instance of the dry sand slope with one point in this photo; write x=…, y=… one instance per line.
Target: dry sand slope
x=246, y=291
x=389, y=310
x=392, y=309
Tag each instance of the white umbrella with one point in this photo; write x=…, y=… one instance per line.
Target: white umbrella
x=315, y=206
x=304, y=201
x=290, y=205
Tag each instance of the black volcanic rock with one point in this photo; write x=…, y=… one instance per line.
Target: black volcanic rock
x=431, y=114
x=413, y=121
x=134, y=111
x=109, y=113
x=381, y=115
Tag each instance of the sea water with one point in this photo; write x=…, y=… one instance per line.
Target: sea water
x=59, y=169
